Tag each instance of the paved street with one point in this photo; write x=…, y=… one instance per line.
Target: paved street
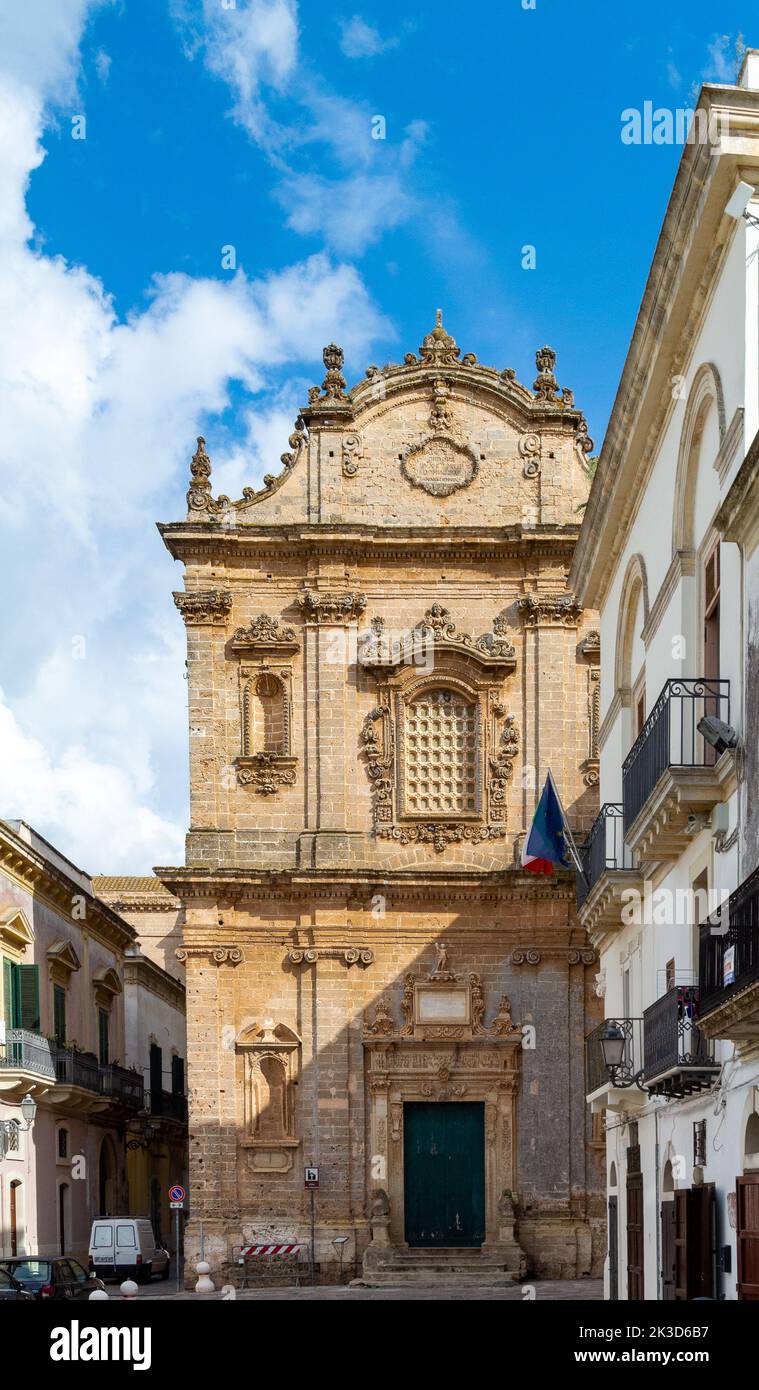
x=570, y=1290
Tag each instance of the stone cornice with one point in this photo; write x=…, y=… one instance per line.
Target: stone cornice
x=33, y=872
x=141, y=971
x=447, y=885
x=693, y=240
x=204, y=541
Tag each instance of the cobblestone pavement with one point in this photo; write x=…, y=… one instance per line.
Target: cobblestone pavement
x=570, y=1290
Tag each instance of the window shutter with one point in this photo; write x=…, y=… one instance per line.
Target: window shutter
x=9, y=993
x=29, y=997
x=103, y=1039
x=156, y=1078
x=59, y=1014
x=177, y=1076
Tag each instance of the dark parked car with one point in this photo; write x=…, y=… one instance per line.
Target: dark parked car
x=9, y=1288
x=59, y=1277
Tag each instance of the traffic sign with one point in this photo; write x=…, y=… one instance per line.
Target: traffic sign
x=311, y=1177
x=176, y=1194
x=177, y=1206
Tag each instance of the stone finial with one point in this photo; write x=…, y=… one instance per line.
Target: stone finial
x=200, y=473
x=439, y=347
x=334, y=382
x=545, y=386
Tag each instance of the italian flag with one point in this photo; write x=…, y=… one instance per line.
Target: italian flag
x=549, y=843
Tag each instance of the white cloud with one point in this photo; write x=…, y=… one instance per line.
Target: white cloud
x=91, y=810
x=103, y=62
x=350, y=213
x=360, y=40
x=99, y=418
x=288, y=110
x=721, y=65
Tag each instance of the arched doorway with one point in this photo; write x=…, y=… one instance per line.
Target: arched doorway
x=747, y=1215
x=106, y=1180
x=668, y=1234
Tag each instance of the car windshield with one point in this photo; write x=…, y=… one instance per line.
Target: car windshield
x=32, y=1272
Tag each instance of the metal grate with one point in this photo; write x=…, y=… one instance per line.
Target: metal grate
x=440, y=747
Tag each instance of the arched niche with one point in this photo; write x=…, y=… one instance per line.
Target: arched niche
x=613, y=1177
x=268, y=1071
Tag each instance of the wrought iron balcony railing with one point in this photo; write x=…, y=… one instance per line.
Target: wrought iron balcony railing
x=77, y=1068
x=121, y=1084
x=27, y=1051
x=169, y=1104
x=604, y=851
x=729, y=947
x=596, y=1072
x=677, y=1058
x=670, y=738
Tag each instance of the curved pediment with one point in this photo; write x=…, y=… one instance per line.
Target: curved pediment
x=436, y=438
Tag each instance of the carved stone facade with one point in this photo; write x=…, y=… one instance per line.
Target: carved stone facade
x=383, y=662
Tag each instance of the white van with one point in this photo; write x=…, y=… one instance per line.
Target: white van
x=122, y=1246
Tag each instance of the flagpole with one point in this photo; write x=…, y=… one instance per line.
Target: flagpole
x=568, y=832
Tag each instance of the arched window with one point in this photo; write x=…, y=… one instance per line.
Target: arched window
x=440, y=755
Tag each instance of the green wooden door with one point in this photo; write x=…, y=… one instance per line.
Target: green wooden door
x=444, y=1172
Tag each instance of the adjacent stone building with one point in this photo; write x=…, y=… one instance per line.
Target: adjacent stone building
x=383, y=662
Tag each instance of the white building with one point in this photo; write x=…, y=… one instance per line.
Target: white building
x=95, y=1031
x=669, y=556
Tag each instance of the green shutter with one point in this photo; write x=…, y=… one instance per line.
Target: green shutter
x=59, y=1014
x=9, y=1002
x=103, y=1020
x=29, y=997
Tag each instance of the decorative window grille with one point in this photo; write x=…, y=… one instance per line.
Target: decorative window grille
x=440, y=755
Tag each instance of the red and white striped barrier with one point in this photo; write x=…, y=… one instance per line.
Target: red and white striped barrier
x=249, y=1251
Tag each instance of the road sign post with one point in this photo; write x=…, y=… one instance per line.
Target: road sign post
x=311, y=1182
x=177, y=1196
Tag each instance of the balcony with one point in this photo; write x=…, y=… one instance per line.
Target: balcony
x=26, y=1064
x=671, y=778
x=678, y=1059
x=122, y=1086
x=728, y=969
x=169, y=1105
x=609, y=869
x=619, y=1091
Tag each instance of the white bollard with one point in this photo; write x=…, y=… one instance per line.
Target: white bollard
x=98, y=1293
x=129, y=1289
x=205, y=1284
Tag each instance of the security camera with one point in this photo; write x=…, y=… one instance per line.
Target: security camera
x=717, y=733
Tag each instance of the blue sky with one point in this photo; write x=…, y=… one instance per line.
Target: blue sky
x=211, y=125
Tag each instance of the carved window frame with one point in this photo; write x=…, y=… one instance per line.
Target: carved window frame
x=498, y=742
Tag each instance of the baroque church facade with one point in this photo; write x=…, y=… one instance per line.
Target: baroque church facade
x=383, y=662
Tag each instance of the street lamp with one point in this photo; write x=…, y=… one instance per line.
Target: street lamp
x=612, y=1041
x=11, y=1127
x=149, y=1132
